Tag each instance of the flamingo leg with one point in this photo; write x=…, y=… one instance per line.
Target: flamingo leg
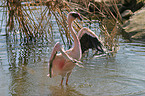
x=68, y=74
x=62, y=81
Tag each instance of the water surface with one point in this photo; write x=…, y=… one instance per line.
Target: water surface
x=24, y=69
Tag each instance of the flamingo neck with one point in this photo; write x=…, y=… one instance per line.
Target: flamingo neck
x=77, y=46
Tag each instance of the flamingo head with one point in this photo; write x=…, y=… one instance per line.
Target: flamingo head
x=74, y=15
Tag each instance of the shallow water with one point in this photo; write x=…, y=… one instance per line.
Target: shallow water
x=24, y=69
x=121, y=75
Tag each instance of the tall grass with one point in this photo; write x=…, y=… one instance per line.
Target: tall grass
x=34, y=20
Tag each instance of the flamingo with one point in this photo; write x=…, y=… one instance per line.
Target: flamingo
x=63, y=63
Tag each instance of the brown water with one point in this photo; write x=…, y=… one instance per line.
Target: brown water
x=24, y=69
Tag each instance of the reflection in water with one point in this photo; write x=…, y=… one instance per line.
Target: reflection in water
x=64, y=91
x=18, y=82
x=23, y=59
x=16, y=56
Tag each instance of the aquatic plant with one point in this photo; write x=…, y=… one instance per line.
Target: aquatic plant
x=37, y=21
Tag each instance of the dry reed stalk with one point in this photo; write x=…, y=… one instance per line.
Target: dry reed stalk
x=110, y=34
x=40, y=27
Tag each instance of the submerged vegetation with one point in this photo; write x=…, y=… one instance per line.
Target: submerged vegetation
x=34, y=21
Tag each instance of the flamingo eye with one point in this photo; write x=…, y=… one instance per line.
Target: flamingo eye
x=75, y=15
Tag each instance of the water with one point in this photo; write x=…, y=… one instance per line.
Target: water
x=24, y=69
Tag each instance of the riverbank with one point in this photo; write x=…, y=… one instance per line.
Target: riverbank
x=135, y=26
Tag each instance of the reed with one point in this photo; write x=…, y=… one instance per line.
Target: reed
x=35, y=20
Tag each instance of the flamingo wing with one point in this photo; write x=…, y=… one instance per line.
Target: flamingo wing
x=53, y=55
x=57, y=48
x=89, y=40
x=50, y=65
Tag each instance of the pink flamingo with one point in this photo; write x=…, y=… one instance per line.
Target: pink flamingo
x=63, y=63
